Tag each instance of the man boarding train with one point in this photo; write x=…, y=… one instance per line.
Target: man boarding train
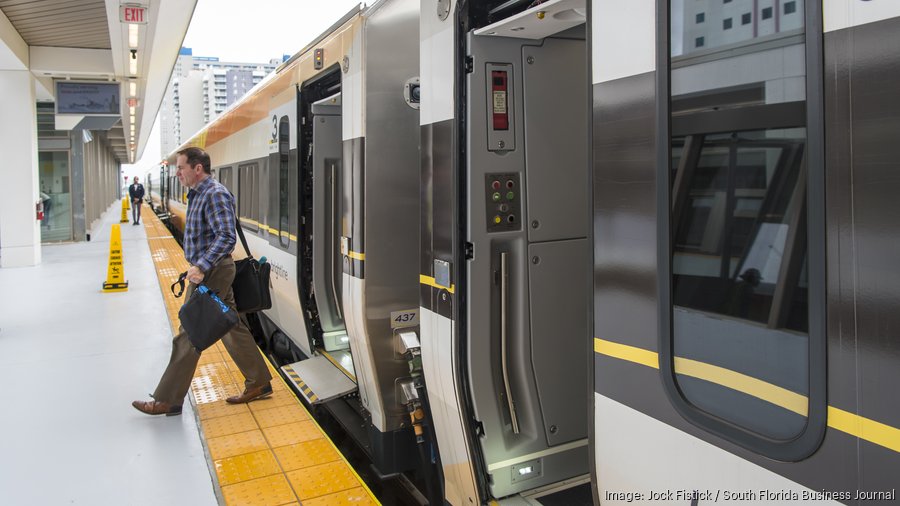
x=209, y=239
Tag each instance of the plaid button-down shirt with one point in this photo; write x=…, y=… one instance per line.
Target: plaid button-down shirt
x=209, y=234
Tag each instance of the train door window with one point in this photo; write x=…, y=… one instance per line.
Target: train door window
x=744, y=355
x=284, y=190
x=248, y=203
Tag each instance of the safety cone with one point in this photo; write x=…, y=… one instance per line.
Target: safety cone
x=115, y=273
x=124, y=211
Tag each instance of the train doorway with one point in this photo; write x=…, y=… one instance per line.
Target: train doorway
x=524, y=212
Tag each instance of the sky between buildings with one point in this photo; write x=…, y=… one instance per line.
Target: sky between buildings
x=248, y=31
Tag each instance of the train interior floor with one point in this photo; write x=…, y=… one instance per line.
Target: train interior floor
x=72, y=359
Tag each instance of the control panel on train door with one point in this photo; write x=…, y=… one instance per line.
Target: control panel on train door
x=503, y=197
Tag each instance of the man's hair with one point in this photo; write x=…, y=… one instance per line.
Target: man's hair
x=195, y=156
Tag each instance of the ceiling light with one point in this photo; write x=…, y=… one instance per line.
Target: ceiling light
x=133, y=35
x=132, y=89
x=133, y=64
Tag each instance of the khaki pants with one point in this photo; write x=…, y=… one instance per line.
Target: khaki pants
x=176, y=381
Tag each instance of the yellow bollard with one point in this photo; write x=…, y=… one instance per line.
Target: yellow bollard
x=115, y=273
x=127, y=202
x=124, y=211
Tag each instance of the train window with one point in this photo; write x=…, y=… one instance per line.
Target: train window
x=284, y=191
x=226, y=178
x=741, y=357
x=248, y=201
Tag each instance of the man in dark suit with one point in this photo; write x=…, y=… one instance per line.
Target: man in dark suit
x=136, y=192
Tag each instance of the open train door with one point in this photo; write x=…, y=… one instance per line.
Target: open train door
x=506, y=202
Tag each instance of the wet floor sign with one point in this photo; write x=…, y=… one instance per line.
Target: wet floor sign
x=115, y=273
x=125, y=209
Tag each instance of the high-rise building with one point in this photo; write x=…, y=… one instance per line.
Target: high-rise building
x=711, y=25
x=201, y=88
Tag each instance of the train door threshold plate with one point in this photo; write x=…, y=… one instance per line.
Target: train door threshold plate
x=318, y=380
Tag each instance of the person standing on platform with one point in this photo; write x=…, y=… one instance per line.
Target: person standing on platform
x=209, y=239
x=136, y=192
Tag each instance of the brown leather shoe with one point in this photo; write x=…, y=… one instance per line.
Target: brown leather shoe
x=156, y=408
x=251, y=394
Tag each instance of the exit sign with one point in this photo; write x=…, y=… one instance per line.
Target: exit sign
x=134, y=14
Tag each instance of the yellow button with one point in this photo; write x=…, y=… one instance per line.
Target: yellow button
x=497, y=219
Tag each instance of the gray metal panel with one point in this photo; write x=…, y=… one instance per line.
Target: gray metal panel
x=559, y=290
x=352, y=200
x=508, y=480
x=319, y=379
x=500, y=442
x=327, y=151
x=556, y=142
x=862, y=118
x=390, y=197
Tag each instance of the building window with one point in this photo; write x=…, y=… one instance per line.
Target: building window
x=699, y=42
x=701, y=17
x=790, y=7
x=767, y=13
x=746, y=18
x=726, y=24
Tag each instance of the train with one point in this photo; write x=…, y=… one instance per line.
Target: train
x=582, y=251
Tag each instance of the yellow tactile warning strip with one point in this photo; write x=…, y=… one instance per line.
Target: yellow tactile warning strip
x=267, y=452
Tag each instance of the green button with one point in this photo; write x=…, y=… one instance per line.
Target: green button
x=496, y=197
x=510, y=195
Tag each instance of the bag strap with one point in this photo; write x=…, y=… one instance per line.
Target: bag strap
x=180, y=283
x=240, y=229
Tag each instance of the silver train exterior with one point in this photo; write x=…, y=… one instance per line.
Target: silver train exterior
x=309, y=154
x=740, y=213
x=654, y=246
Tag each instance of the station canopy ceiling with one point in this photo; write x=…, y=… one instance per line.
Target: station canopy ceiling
x=135, y=44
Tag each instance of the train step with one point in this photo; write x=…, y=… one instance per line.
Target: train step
x=318, y=380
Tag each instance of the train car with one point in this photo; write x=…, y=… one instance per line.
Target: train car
x=715, y=171
x=167, y=198
x=744, y=332
x=652, y=241
x=310, y=154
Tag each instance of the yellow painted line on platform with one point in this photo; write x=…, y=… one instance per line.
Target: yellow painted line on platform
x=269, y=451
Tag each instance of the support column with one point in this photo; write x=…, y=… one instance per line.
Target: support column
x=20, y=234
x=79, y=229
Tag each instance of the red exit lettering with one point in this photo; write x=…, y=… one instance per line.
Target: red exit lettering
x=134, y=14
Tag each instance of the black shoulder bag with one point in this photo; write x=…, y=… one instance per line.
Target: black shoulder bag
x=251, y=281
x=205, y=317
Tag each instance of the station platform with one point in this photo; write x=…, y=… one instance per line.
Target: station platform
x=72, y=359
